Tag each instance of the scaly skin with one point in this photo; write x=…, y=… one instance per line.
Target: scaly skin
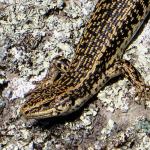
x=98, y=58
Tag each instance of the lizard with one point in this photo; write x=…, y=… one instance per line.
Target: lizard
x=98, y=58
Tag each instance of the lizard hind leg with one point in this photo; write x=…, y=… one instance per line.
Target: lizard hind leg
x=126, y=69
x=132, y=74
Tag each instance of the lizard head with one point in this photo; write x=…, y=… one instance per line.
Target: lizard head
x=38, y=108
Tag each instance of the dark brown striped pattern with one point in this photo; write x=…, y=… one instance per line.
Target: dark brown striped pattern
x=107, y=34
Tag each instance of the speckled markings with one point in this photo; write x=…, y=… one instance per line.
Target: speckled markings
x=98, y=58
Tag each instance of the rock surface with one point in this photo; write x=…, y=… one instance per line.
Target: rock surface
x=32, y=33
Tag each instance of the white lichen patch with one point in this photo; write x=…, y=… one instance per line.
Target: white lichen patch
x=113, y=96
x=86, y=119
x=87, y=115
x=17, y=88
x=107, y=131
